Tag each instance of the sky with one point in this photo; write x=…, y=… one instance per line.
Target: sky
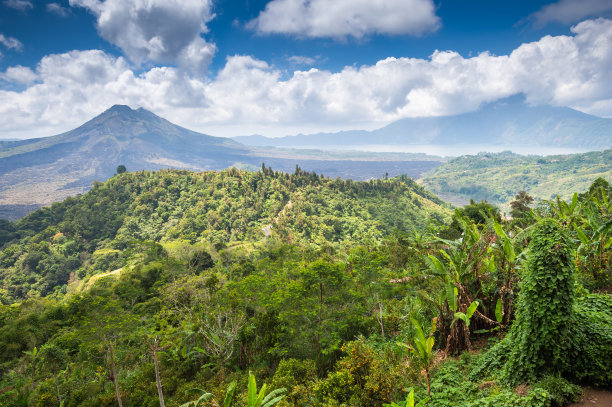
x=280, y=67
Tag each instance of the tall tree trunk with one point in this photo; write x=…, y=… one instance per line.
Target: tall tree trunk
x=380, y=317
x=111, y=357
x=59, y=397
x=158, y=380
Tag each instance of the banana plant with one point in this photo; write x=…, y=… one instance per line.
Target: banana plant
x=409, y=401
x=32, y=354
x=594, y=233
x=422, y=347
x=255, y=399
x=467, y=316
x=564, y=211
x=205, y=396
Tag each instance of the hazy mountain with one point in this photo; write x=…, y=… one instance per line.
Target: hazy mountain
x=43, y=170
x=40, y=171
x=506, y=122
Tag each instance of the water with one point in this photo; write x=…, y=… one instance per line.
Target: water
x=453, y=150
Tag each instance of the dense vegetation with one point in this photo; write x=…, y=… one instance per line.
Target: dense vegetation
x=93, y=233
x=332, y=293
x=471, y=176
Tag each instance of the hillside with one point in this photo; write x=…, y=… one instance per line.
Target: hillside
x=497, y=178
x=37, y=172
x=156, y=284
x=509, y=122
x=86, y=235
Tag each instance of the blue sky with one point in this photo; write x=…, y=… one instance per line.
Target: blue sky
x=277, y=67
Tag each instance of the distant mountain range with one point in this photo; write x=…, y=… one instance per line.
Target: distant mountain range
x=506, y=122
x=37, y=172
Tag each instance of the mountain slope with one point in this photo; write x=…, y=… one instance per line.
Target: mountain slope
x=507, y=122
x=91, y=234
x=40, y=171
x=51, y=168
x=497, y=178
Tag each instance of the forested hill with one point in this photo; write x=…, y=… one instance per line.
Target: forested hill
x=497, y=177
x=92, y=233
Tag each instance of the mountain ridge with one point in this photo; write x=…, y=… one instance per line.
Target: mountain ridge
x=506, y=122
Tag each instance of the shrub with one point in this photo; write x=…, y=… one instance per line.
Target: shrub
x=560, y=390
x=552, y=335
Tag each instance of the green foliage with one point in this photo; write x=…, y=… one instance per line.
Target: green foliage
x=261, y=399
x=498, y=177
x=560, y=390
x=544, y=307
x=409, y=402
x=422, y=346
x=91, y=234
x=362, y=377
x=589, y=340
x=315, y=303
x=553, y=334
x=296, y=376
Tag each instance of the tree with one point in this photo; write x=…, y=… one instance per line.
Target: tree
x=104, y=324
x=121, y=169
x=53, y=359
x=520, y=207
x=155, y=347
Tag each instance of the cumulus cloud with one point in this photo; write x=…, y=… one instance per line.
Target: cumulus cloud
x=570, y=11
x=568, y=70
x=344, y=18
x=11, y=43
x=19, y=74
x=159, y=31
x=21, y=5
x=57, y=9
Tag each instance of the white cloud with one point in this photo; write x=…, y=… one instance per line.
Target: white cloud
x=11, y=43
x=21, y=5
x=301, y=60
x=344, y=18
x=57, y=9
x=570, y=11
x=19, y=74
x=249, y=95
x=160, y=31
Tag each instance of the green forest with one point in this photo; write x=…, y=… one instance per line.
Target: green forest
x=240, y=288
x=470, y=176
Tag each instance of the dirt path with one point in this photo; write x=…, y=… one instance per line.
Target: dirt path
x=594, y=397
x=268, y=228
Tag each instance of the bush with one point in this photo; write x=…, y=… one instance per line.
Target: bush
x=589, y=342
x=296, y=376
x=560, y=390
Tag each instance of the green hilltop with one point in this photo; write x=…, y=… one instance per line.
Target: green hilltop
x=78, y=237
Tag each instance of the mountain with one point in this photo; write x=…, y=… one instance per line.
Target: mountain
x=497, y=178
x=507, y=122
x=37, y=172
x=44, y=170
